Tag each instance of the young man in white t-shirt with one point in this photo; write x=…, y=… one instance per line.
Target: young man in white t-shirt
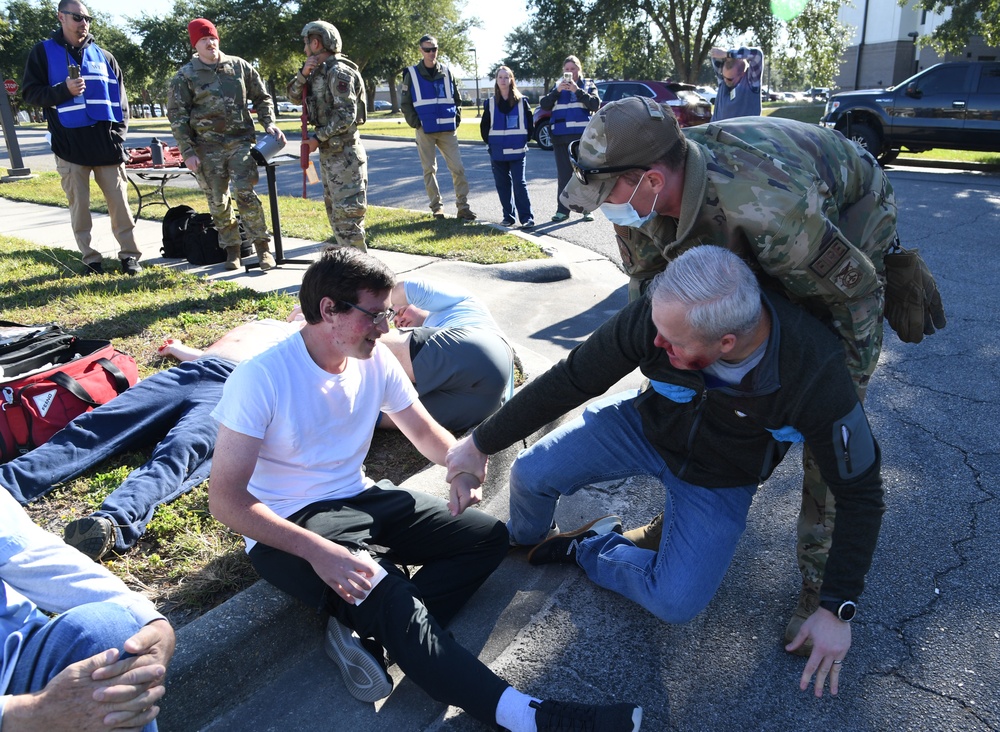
x=296, y=424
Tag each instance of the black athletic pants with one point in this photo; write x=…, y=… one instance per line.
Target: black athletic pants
x=406, y=615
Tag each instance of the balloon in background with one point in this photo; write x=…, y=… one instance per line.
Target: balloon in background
x=787, y=9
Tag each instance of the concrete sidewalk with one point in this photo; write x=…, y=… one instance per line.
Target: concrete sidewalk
x=926, y=652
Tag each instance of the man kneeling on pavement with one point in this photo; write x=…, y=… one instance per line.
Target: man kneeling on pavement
x=295, y=426
x=737, y=375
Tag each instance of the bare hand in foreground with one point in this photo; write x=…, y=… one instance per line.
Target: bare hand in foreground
x=831, y=640
x=466, y=490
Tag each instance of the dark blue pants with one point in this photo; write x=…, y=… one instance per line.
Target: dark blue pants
x=455, y=555
x=172, y=406
x=564, y=169
x=508, y=175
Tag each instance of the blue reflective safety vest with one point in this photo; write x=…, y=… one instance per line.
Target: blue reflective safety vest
x=100, y=101
x=508, y=131
x=434, y=101
x=569, y=115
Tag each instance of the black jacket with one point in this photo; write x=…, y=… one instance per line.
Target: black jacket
x=102, y=143
x=721, y=437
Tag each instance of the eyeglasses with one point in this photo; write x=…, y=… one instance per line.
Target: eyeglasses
x=386, y=316
x=432, y=49
x=582, y=173
x=78, y=17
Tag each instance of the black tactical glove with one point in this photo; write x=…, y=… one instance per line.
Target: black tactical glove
x=912, y=301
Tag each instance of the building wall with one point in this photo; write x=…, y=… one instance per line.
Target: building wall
x=888, y=54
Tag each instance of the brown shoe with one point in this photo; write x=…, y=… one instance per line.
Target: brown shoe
x=467, y=214
x=264, y=256
x=233, y=257
x=808, y=604
x=93, y=535
x=648, y=536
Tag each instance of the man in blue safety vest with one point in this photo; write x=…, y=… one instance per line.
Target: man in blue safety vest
x=432, y=104
x=80, y=87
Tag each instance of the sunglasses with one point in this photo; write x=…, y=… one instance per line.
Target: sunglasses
x=583, y=173
x=79, y=18
x=432, y=49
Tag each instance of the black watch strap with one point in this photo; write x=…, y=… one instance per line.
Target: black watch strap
x=845, y=610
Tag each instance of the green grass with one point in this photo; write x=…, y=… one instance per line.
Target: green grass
x=389, y=229
x=186, y=562
x=379, y=123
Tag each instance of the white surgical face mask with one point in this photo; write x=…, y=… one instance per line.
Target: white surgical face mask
x=624, y=214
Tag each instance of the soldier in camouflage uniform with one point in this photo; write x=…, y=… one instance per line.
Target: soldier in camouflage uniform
x=336, y=105
x=207, y=108
x=811, y=212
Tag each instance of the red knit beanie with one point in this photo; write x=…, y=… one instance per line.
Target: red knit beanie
x=200, y=28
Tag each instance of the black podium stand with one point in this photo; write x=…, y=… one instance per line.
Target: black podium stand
x=272, y=194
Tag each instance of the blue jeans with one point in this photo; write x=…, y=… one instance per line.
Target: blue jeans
x=172, y=406
x=701, y=526
x=508, y=175
x=77, y=634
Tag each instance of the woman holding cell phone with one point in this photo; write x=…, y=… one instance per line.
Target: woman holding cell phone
x=572, y=101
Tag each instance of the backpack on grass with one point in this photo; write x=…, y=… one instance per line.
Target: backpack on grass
x=193, y=236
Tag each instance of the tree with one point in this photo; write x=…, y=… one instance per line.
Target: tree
x=381, y=36
x=688, y=28
x=816, y=43
x=968, y=18
x=28, y=23
x=629, y=49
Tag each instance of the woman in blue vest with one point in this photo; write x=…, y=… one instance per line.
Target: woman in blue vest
x=506, y=126
x=571, y=102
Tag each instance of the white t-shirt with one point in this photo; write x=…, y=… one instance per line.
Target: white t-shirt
x=316, y=426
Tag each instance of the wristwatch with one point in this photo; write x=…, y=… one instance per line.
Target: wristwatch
x=845, y=610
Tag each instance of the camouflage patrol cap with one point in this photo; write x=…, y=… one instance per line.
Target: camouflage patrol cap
x=327, y=32
x=627, y=134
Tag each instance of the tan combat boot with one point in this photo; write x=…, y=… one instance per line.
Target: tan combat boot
x=264, y=256
x=648, y=536
x=233, y=257
x=808, y=604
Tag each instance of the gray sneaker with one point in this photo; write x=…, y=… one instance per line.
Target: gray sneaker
x=562, y=547
x=93, y=535
x=364, y=674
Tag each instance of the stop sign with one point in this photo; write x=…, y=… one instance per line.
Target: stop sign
x=11, y=86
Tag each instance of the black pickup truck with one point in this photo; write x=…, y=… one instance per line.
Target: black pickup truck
x=950, y=105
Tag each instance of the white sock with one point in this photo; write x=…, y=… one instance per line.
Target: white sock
x=513, y=712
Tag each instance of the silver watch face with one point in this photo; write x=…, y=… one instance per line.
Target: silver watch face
x=847, y=611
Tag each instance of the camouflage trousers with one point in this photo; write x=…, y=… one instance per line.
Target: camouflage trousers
x=222, y=166
x=344, y=171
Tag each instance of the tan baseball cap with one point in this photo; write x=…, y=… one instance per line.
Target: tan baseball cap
x=624, y=135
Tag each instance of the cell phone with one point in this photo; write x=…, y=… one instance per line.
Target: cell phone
x=567, y=76
x=74, y=71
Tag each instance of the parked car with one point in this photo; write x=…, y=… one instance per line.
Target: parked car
x=707, y=93
x=289, y=107
x=689, y=108
x=818, y=93
x=381, y=105
x=950, y=105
